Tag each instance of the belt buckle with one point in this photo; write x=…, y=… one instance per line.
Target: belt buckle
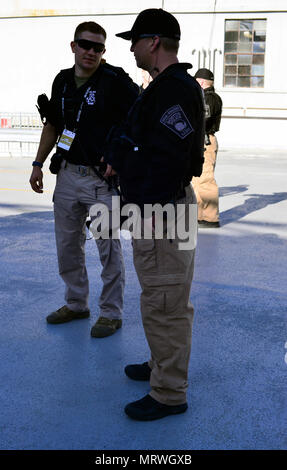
x=83, y=170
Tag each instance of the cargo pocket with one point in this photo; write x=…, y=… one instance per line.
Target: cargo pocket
x=144, y=255
x=174, y=298
x=175, y=261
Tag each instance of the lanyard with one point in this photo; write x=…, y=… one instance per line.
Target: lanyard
x=80, y=109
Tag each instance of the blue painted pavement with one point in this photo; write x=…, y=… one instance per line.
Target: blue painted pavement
x=62, y=389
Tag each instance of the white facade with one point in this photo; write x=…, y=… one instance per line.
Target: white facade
x=35, y=37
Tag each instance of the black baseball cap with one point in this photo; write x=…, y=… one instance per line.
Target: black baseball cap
x=204, y=73
x=153, y=22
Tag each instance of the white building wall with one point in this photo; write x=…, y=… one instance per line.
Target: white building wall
x=35, y=38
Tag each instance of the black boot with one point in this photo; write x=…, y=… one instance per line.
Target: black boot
x=148, y=409
x=138, y=371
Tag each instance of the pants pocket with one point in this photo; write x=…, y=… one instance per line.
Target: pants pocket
x=144, y=255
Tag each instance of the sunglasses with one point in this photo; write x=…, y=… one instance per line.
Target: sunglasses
x=87, y=45
x=142, y=36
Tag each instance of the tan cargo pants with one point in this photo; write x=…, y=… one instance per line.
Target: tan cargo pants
x=205, y=186
x=73, y=196
x=165, y=275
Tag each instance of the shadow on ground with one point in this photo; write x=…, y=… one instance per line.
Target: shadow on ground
x=254, y=203
x=228, y=190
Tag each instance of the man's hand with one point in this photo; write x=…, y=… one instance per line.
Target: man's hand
x=48, y=140
x=109, y=170
x=36, y=179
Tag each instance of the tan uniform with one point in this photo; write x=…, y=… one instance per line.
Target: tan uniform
x=205, y=186
x=165, y=275
x=74, y=195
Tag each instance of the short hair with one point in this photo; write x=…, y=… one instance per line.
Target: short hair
x=170, y=45
x=90, y=26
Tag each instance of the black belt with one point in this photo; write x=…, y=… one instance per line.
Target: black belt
x=81, y=170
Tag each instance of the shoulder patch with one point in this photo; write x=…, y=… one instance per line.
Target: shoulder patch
x=175, y=120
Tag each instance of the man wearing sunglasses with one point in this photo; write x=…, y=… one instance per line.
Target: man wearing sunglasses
x=166, y=130
x=87, y=101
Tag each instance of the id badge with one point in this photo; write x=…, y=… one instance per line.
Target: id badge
x=66, y=139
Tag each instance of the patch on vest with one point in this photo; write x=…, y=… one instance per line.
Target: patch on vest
x=91, y=98
x=175, y=119
x=207, y=111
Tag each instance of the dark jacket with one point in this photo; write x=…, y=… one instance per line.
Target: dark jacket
x=161, y=145
x=111, y=95
x=213, y=110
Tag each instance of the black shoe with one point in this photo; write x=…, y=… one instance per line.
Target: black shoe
x=205, y=224
x=138, y=371
x=64, y=314
x=148, y=409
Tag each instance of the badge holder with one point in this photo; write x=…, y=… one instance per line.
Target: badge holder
x=66, y=139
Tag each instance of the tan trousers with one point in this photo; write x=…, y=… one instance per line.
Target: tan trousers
x=205, y=186
x=165, y=275
x=73, y=197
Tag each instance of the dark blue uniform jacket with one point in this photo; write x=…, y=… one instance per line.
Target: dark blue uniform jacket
x=213, y=104
x=161, y=145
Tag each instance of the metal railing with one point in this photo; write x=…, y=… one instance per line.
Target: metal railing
x=18, y=148
x=20, y=121
x=250, y=112
x=32, y=121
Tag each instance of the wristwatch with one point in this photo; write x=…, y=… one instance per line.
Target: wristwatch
x=39, y=164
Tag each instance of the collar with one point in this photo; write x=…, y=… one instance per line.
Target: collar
x=177, y=66
x=183, y=66
x=71, y=75
x=209, y=89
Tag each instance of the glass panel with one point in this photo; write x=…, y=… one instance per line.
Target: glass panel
x=258, y=59
x=231, y=25
x=231, y=36
x=231, y=47
x=259, y=24
x=230, y=58
x=258, y=46
x=230, y=81
x=231, y=70
x=245, y=46
x=245, y=36
x=244, y=53
x=244, y=70
x=259, y=36
x=257, y=69
x=257, y=82
x=244, y=59
x=246, y=25
x=244, y=81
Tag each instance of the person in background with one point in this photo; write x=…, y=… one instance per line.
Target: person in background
x=146, y=79
x=205, y=186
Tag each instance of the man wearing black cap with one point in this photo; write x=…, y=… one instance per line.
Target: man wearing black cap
x=205, y=186
x=156, y=154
